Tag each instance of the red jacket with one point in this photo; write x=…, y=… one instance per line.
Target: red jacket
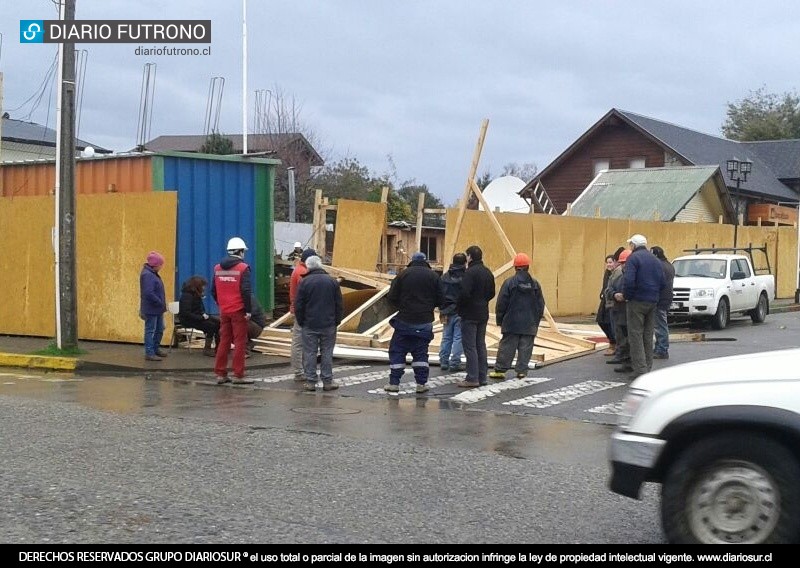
x=231, y=286
x=294, y=283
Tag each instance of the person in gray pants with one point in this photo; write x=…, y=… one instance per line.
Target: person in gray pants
x=520, y=307
x=318, y=310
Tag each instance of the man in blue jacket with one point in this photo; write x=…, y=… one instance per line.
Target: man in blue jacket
x=643, y=283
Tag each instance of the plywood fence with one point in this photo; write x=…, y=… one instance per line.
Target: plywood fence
x=114, y=234
x=568, y=253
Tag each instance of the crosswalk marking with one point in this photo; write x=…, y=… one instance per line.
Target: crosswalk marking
x=290, y=376
x=610, y=408
x=472, y=396
x=564, y=394
x=411, y=387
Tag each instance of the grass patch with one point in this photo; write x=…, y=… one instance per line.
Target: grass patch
x=52, y=350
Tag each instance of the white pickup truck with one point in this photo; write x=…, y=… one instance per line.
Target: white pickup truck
x=714, y=286
x=722, y=437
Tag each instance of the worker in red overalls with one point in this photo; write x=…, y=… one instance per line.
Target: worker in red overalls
x=231, y=290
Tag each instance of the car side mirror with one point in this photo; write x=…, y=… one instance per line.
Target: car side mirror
x=738, y=276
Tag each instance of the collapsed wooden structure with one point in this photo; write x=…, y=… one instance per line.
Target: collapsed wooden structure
x=365, y=331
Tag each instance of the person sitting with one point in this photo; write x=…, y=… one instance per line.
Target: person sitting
x=192, y=313
x=255, y=325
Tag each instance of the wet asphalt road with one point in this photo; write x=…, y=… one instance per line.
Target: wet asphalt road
x=180, y=460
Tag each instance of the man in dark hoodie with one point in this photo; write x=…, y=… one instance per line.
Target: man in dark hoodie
x=415, y=293
x=318, y=309
x=232, y=292
x=451, y=349
x=477, y=289
x=520, y=307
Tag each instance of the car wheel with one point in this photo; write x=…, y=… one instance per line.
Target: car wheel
x=722, y=317
x=759, y=313
x=732, y=488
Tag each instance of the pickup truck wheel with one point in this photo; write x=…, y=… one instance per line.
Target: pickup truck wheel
x=732, y=488
x=759, y=313
x=723, y=315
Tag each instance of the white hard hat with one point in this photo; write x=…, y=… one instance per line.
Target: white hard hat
x=298, y=245
x=236, y=243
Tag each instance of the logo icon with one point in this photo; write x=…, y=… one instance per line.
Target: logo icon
x=31, y=31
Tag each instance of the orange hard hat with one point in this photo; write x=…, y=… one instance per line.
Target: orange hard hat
x=623, y=256
x=521, y=259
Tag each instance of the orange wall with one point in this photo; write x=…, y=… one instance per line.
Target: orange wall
x=93, y=176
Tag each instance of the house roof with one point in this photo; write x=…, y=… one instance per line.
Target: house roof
x=698, y=149
x=268, y=143
x=783, y=156
x=32, y=133
x=638, y=193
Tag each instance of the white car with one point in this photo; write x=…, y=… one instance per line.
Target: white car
x=722, y=436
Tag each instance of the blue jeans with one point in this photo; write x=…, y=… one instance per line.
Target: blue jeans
x=153, y=332
x=451, y=348
x=662, y=332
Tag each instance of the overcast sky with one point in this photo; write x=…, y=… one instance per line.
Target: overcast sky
x=413, y=80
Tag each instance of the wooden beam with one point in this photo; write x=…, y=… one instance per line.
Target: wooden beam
x=364, y=306
x=499, y=272
x=473, y=169
x=318, y=212
x=354, y=276
x=384, y=260
x=420, y=214
x=495, y=223
x=283, y=319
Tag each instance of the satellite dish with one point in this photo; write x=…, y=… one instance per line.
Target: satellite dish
x=503, y=192
x=88, y=152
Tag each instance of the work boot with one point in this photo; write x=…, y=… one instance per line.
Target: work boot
x=391, y=388
x=498, y=375
x=468, y=384
x=329, y=386
x=623, y=369
x=209, y=352
x=152, y=358
x=422, y=388
x=161, y=353
x=618, y=360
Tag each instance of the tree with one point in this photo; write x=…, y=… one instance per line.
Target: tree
x=410, y=193
x=763, y=116
x=526, y=172
x=216, y=143
x=278, y=116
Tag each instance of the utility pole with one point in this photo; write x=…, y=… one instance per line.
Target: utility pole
x=66, y=288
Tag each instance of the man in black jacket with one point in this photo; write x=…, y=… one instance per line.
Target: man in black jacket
x=415, y=293
x=318, y=309
x=520, y=307
x=477, y=289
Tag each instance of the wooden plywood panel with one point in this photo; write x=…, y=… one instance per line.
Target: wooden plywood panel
x=758, y=237
x=580, y=275
x=357, y=238
x=27, y=264
x=594, y=253
x=548, y=257
x=713, y=234
x=786, y=263
x=114, y=235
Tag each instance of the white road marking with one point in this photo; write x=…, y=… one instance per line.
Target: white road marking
x=409, y=388
x=564, y=394
x=610, y=408
x=290, y=376
x=472, y=396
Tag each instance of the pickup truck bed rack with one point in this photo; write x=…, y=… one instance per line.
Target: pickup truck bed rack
x=749, y=250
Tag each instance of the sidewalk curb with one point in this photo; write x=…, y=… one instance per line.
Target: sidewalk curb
x=38, y=362
x=95, y=367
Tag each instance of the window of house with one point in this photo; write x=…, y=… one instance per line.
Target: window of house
x=636, y=163
x=428, y=246
x=601, y=164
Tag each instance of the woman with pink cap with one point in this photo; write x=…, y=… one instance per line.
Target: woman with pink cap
x=153, y=304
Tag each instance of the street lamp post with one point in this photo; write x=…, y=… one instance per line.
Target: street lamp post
x=738, y=171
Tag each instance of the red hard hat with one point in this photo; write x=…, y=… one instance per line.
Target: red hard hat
x=623, y=256
x=521, y=259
